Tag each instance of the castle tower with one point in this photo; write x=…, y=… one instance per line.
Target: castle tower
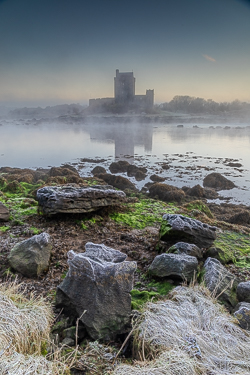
x=124, y=87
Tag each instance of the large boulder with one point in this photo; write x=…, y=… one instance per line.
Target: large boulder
x=72, y=199
x=243, y=291
x=97, y=289
x=186, y=248
x=31, y=257
x=190, y=230
x=242, y=314
x=217, y=181
x=98, y=169
x=196, y=191
x=118, y=182
x=181, y=265
x=4, y=212
x=220, y=281
x=240, y=218
x=167, y=193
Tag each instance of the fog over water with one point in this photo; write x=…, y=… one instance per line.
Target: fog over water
x=191, y=150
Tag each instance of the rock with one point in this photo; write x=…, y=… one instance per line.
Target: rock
x=210, y=193
x=186, y=248
x=167, y=193
x=14, y=187
x=193, y=231
x=98, y=291
x=220, y=281
x=68, y=341
x=243, y=291
x=31, y=257
x=71, y=199
x=97, y=170
x=165, y=166
x=133, y=171
x=95, y=251
x=118, y=182
x=139, y=176
x=66, y=170
x=180, y=265
x=218, y=182
x=119, y=166
x=4, y=212
x=242, y=314
x=240, y=218
x=157, y=178
x=196, y=191
x=234, y=165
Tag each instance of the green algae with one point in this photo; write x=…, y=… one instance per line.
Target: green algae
x=233, y=247
x=4, y=228
x=200, y=206
x=146, y=212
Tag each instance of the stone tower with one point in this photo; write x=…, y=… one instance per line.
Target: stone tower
x=124, y=87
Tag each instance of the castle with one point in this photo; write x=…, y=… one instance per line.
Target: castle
x=124, y=88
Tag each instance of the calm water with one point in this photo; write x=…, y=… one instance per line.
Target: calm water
x=192, y=152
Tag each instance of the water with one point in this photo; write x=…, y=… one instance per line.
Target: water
x=191, y=151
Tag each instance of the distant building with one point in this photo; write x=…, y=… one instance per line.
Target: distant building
x=124, y=94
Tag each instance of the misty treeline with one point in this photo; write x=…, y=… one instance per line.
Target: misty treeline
x=190, y=104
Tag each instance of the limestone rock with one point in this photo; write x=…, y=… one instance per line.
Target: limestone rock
x=242, y=313
x=243, y=291
x=31, y=257
x=218, y=182
x=167, y=193
x=190, y=230
x=4, y=212
x=220, y=281
x=186, y=248
x=181, y=265
x=71, y=199
x=99, y=287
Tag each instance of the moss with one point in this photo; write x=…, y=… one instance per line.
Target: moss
x=139, y=298
x=200, y=206
x=146, y=212
x=4, y=229
x=162, y=287
x=233, y=247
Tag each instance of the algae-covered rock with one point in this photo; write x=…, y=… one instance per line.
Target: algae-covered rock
x=218, y=182
x=31, y=257
x=167, y=193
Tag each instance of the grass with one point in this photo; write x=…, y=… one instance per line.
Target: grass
x=146, y=212
x=189, y=334
x=24, y=335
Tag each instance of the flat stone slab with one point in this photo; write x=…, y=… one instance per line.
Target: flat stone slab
x=71, y=199
x=4, y=212
x=188, y=230
x=181, y=265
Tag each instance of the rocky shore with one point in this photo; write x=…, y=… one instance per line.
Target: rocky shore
x=98, y=250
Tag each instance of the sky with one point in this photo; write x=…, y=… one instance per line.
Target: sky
x=67, y=51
